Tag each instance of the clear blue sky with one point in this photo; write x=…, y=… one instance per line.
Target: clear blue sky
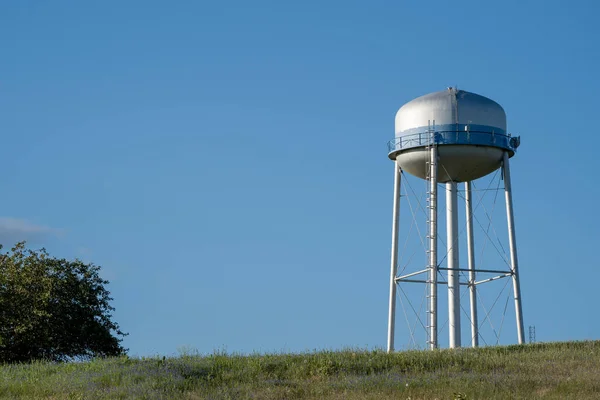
x=225, y=162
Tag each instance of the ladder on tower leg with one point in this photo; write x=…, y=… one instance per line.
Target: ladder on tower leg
x=430, y=142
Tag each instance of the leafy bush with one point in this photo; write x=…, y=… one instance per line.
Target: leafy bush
x=54, y=309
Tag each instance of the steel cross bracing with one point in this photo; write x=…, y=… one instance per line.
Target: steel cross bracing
x=433, y=268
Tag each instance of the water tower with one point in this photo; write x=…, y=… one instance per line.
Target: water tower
x=447, y=138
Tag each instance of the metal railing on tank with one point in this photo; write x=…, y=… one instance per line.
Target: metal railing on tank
x=421, y=139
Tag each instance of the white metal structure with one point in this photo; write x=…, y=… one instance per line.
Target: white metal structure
x=449, y=137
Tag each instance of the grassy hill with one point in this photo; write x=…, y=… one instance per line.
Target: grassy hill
x=568, y=370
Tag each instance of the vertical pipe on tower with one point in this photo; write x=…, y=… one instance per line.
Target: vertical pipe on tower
x=394, y=261
x=513, y=248
x=433, y=267
x=453, y=273
x=471, y=265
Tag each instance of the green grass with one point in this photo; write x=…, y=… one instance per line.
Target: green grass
x=550, y=371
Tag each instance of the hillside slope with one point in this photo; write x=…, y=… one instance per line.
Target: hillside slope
x=569, y=370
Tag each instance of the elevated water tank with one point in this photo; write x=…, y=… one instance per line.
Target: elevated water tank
x=469, y=130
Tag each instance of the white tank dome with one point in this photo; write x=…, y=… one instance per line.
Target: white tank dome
x=469, y=130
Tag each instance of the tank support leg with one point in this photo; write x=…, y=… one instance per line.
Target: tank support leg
x=394, y=258
x=514, y=262
x=471, y=265
x=453, y=273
